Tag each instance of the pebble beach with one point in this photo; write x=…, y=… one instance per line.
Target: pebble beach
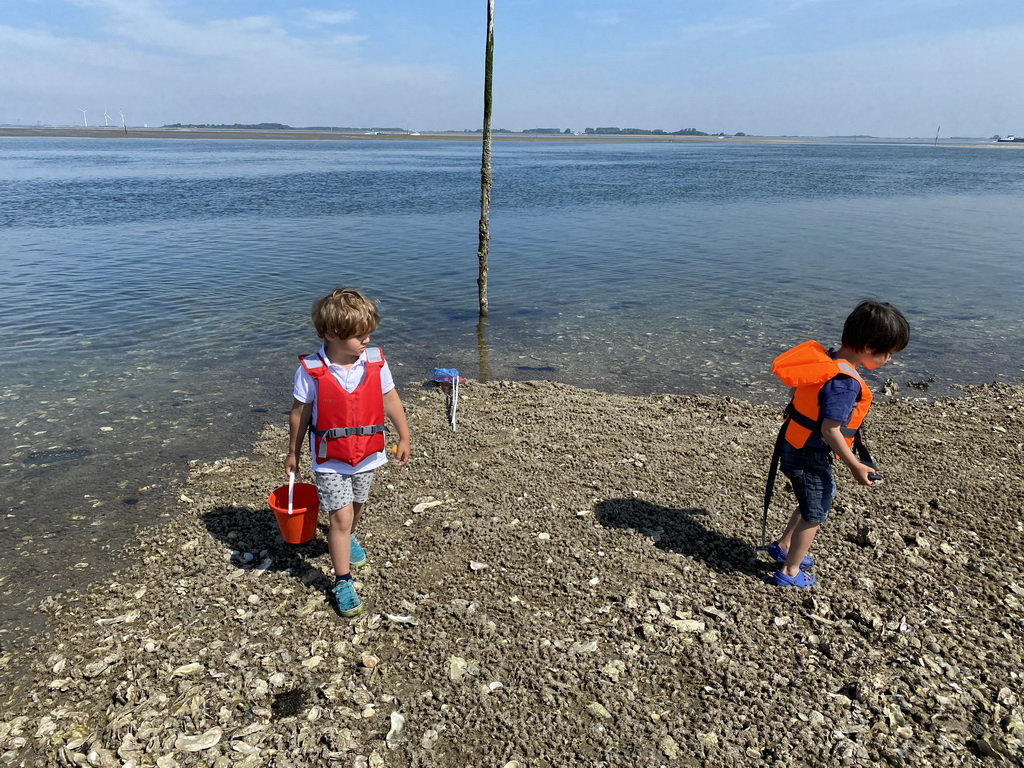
x=571, y=578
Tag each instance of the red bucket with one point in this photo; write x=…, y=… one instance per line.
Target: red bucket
x=300, y=526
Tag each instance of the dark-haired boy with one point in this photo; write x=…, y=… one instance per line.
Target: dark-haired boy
x=829, y=403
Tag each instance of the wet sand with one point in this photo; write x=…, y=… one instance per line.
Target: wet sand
x=570, y=579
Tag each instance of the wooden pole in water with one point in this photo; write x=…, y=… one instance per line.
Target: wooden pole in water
x=485, y=164
x=937, y=136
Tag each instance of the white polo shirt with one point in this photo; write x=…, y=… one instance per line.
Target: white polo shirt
x=304, y=390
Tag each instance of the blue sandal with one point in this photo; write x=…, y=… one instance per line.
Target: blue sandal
x=801, y=580
x=778, y=554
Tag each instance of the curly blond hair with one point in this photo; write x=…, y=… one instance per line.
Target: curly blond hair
x=344, y=313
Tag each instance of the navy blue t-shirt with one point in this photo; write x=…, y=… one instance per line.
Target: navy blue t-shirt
x=837, y=399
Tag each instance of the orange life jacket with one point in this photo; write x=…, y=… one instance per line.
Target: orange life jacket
x=349, y=425
x=807, y=367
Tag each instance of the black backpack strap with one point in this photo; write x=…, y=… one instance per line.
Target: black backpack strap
x=773, y=470
x=862, y=450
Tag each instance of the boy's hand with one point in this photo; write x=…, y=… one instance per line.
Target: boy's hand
x=291, y=464
x=861, y=473
x=401, y=451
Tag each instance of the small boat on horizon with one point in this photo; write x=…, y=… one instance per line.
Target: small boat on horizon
x=1011, y=137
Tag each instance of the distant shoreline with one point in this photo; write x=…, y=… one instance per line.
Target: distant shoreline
x=310, y=135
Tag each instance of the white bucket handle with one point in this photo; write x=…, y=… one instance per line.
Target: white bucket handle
x=291, y=490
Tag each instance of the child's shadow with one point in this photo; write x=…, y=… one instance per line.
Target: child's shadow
x=252, y=532
x=681, y=531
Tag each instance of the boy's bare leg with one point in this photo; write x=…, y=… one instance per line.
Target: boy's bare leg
x=339, y=539
x=357, y=514
x=799, y=545
x=786, y=540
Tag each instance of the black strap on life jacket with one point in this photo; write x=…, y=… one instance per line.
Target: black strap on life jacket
x=814, y=425
x=773, y=469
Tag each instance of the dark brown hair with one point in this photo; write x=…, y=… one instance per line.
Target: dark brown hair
x=876, y=326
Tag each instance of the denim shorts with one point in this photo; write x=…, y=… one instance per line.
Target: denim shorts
x=810, y=472
x=337, y=491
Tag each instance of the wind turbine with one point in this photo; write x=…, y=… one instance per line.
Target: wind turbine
x=86, y=119
x=106, y=118
x=121, y=111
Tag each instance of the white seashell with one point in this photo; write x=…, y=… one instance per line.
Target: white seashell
x=369, y=661
x=495, y=686
x=100, y=759
x=188, y=669
x=200, y=742
x=312, y=661
x=397, y=733
x=457, y=668
x=124, y=618
x=362, y=696
x=588, y=647
x=687, y=625
x=476, y=566
x=46, y=728
x=613, y=669
x=276, y=679
x=429, y=739
x=314, y=714
x=96, y=668
x=594, y=581
x=710, y=610
x=166, y=761
x=403, y=619
x=245, y=748
x=781, y=621
x=543, y=536
x=423, y=506
x=368, y=712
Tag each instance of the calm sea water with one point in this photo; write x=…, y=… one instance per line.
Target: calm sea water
x=157, y=292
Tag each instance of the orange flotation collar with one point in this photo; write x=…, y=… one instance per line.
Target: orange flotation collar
x=807, y=368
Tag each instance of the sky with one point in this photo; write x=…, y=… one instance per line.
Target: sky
x=763, y=67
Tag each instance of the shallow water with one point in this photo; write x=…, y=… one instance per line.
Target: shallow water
x=157, y=292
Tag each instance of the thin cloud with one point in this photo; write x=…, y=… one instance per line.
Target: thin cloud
x=164, y=66
x=600, y=18
x=327, y=18
x=145, y=24
x=725, y=27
